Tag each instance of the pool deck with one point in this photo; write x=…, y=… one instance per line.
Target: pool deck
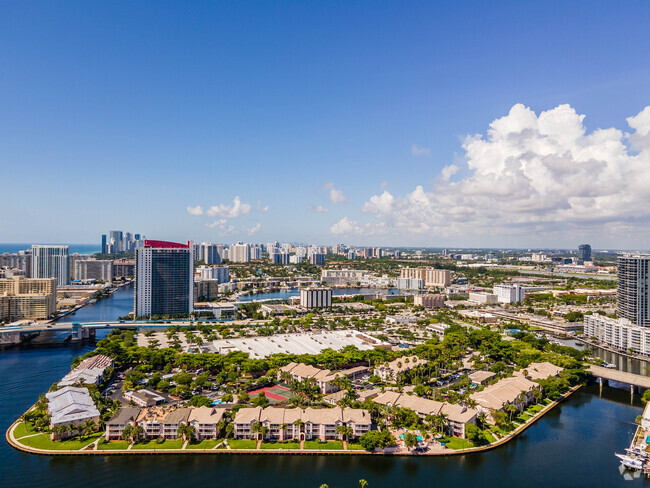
x=436, y=450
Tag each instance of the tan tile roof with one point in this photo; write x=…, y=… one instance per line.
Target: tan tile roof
x=247, y=415
x=481, y=376
x=504, y=391
x=206, y=415
x=458, y=413
x=537, y=371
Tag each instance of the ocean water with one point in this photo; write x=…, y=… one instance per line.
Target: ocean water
x=74, y=248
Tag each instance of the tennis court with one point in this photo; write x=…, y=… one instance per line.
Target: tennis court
x=275, y=393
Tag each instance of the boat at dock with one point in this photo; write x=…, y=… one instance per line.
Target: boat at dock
x=630, y=462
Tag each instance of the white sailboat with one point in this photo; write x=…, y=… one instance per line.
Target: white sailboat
x=630, y=462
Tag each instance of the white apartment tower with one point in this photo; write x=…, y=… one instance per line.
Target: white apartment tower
x=51, y=262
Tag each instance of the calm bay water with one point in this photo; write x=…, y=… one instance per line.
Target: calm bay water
x=292, y=292
x=572, y=446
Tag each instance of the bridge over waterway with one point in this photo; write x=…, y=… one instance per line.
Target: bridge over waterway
x=636, y=381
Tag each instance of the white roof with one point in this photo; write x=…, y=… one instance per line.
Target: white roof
x=70, y=404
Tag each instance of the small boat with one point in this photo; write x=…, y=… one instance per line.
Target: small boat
x=630, y=462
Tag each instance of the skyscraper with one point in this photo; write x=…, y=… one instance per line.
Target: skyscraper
x=633, y=295
x=584, y=253
x=116, y=237
x=103, y=243
x=164, y=279
x=51, y=262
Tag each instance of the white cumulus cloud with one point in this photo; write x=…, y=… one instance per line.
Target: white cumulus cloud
x=345, y=226
x=198, y=210
x=336, y=196
x=254, y=229
x=544, y=173
x=229, y=211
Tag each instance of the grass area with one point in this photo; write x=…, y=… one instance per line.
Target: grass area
x=353, y=446
x=280, y=445
x=42, y=441
x=323, y=445
x=546, y=401
x=177, y=444
x=523, y=417
x=112, y=445
x=489, y=436
x=242, y=444
x=534, y=409
x=23, y=429
x=204, y=444
x=457, y=443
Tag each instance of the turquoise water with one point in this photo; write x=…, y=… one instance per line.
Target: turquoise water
x=78, y=248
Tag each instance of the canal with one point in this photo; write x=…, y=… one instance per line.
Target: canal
x=573, y=445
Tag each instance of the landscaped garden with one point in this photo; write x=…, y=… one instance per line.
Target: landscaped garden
x=242, y=444
x=332, y=445
x=177, y=444
x=281, y=445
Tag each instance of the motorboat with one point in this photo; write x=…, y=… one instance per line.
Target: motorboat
x=629, y=461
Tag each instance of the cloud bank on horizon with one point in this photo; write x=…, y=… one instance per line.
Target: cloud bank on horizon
x=529, y=173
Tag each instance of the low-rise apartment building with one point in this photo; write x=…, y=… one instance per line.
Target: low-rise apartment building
x=70, y=406
x=299, y=424
x=90, y=371
x=322, y=377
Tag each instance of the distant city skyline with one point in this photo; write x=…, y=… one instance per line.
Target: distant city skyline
x=222, y=122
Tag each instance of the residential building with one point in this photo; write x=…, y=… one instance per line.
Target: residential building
x=116, y=425
x=93, y=269
x=144, y=398
x=27, y=298
x=70, y=406
x=516, y=390
x=123, y=268
x=21, y=260
x=206, y=422
x=458, y=416
x=298, y=424
x=90, y=371
x=164, y=279
x=430, y=276
x=206, y=290
x=322, y=377
x=208, y=253
x=51, y=262
x=409, y=283
x=317, y=258
x=219, y=273
x=316, y=297
x=633, y=293
x=513, y=293
x=239, y=253
x=429, y=301
x=482, y=298
x=342, y=276
x=619, y=333
x=392, y=370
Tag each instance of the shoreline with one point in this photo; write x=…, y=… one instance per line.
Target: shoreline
x=15, y=443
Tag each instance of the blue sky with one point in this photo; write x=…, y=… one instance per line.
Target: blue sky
x=326, y=122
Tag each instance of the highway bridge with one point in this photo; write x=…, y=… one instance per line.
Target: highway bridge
x=14, y=334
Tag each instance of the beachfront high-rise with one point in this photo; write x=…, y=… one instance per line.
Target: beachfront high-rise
x=164, y=279
x=51, y=262
x=633, y=294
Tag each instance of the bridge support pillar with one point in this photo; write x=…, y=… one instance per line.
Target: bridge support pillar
x=631, y=394
x=79, y=332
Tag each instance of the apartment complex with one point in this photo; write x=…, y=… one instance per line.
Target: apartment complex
x=316, y=297
x=70, y=406
x=430, y=276
x=342, y=276
x=391, y=371
x=322, y=377
x=51, y=262
x=27, y=298
x=164, y=279
x=633, y=294
x=298, y=424
x=93, y=269
x=429, y=301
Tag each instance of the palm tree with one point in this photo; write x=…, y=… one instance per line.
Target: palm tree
x=127, y=432
x=264, y=430
x=441, y=422
x=186, y=431
x=255, y=428
x=344, y=431
x=363, y=483
x=136, y=433
x=509, y=408
x=481, y=420
x=537, y=394
x=89, y=426
x=71, y=429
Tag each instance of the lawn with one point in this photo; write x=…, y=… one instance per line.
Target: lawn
x=280, y=445
x=23, y=429
x=355, y=447
x=457, y=443
x=42, y=441
x=204, y=444
x=489, y=436
x=524, y=417
x=177, y=444
x=534, y=409
x=112, y=445
x=242, y=444
x=323, y=445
